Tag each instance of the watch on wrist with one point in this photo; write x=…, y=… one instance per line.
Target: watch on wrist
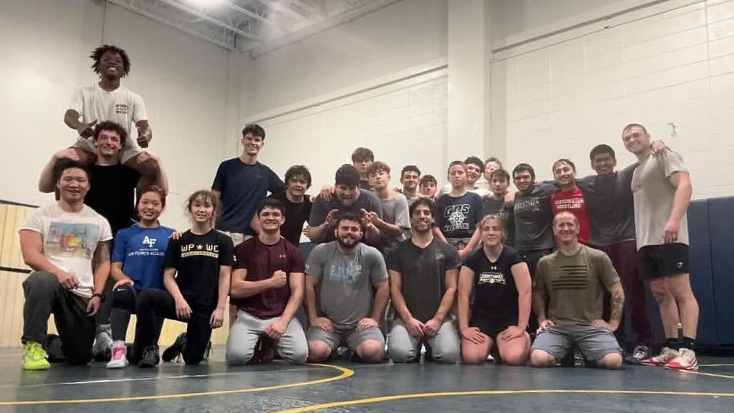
x=101, y=296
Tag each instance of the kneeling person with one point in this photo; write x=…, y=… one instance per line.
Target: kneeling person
x=346, y=310
x=423, y=272
x=267, y=288
x=570, y=283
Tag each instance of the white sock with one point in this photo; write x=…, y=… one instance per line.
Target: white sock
x=118, y=343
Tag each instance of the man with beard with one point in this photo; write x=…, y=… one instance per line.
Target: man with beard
x=346, y=294
x=423, y=277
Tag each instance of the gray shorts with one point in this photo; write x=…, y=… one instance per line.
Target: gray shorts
x=351, y=337
x=594, y=342
x=129, y=151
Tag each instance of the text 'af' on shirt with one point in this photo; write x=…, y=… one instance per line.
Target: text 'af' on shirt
x=243, y=188
x=423, y=274
x=296, y=214
x=575, y=285
x=197, y=259
x=112, y=194
x=142, y=253
x=533, y=218
x=495, y=292
x=345, y=281
x=457, y=217
x=261, y=261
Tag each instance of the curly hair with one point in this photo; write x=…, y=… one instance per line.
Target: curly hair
x=97, y=54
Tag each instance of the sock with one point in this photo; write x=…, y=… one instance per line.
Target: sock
x=672, y=343
x=118, y=343
x=688, y=343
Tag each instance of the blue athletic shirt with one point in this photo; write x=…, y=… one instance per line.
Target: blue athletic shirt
x=141, y=252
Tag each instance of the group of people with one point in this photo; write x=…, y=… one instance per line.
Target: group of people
x=467, y=272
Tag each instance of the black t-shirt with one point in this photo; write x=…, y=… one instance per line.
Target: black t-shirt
x=533, y=218
x=112, y=194
x=197, y=259
x=423, y=274
x=365, y=185
x=498, y=207
x=611, y=206
x=495, y=292
x=296, y=214
x=457, y=217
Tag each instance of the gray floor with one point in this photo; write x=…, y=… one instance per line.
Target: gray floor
x=349, y=387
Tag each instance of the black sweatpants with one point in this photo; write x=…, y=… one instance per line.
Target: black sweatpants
x=44, y=295
x=124, y=303
x=154, y=305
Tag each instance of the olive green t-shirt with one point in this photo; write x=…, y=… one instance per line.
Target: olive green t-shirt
x=575, y=284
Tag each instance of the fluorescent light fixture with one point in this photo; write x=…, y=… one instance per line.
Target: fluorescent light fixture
x=206, y=3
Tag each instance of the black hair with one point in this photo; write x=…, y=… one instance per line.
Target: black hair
x=347, y=175
x=349, y=216
x=101, y=50
x=473, y=160
x=207, y=195
x=455, y=163
x=255, y=130
x=65, y=163
x=410, y=168
x=155, y=189
x=601, y=150
x=425, y=179
x=271, y=203
x=422, y=201
x=110, y=126
x=500, y=174
x=524, y=167
x=296, y=171
x=362, y=154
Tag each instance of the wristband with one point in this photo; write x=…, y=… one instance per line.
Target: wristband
x=101, y=296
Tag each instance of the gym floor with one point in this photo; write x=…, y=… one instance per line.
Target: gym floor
x=350, y=387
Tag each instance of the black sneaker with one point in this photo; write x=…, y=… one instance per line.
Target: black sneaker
x=176, y=349
x=641, y=352
x=150, y=357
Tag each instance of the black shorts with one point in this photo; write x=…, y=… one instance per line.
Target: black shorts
x=664, y=260
x=492, y=325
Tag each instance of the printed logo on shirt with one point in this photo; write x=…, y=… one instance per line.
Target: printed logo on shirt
x=121, y=108
x=527, y=205
x=147, y=249
x=440, y=256
x=150, y=242
x=569, y=203
x=492, y=278
x=71, y=240
x=206, y=250
x=455, y=216
x=348, y=274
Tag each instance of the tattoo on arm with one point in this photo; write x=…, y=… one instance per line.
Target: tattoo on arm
x=617, y=306
x=101, y=254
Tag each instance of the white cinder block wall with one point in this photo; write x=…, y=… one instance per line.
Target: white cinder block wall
x=672, y=63
x=44, y=46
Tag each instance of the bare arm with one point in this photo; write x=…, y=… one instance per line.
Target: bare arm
x=466, y=285
x=296, y=282
x=396, y=285
x=521, y=275
x=161, y=178
x=31, y=247
x=617, y=304
x=116, y=272
x=225, y=275
x=241, y=288
x=71, y=119
x=317, y=234
x=386, y=227
x=372, y=236
x=682, y=198
x=310, y=300
x=169, y=281
x=101, y=266
x=448, y=296
x=539, y=304
x=382, y=294
x=46, y=181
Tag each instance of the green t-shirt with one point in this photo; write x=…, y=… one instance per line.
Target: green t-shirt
x=575, y=285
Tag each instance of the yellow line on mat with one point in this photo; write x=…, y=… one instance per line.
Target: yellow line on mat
x=489, y=393
x=700, y=373
x=345, y=373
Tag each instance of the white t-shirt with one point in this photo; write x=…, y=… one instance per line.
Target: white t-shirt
x=121, y=106
x=70, y=239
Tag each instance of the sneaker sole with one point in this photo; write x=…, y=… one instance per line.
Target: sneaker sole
x=36, y=368
x=116, y=366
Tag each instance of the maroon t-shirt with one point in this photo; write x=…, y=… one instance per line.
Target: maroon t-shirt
x=261, y=261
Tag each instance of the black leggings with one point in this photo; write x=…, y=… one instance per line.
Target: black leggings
x=124, y=302
x=155, y=305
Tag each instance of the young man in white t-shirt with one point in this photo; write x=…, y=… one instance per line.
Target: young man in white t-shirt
x=107, y=100
x=66, y=244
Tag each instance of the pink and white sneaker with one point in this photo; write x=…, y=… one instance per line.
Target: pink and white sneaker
x=119, y=357
x=686, y=360
x=666, y=355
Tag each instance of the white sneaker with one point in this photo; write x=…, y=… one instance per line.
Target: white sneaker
x=119, y=358
x=666, y=355
x=686, y=360
x=103, y=341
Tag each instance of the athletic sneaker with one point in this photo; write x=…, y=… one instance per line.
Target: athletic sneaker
x=119, y=357
x=639, y=354
x=150, y=357
x=686, y=360
x=176, y=349
x=102, y=348
x=34, y=357
x=666, y=354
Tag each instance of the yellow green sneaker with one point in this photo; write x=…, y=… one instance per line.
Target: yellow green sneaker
x=34, y=357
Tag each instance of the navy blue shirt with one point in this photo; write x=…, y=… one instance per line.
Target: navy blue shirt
x=243, y=188
x=457, y=217
x=141, y=252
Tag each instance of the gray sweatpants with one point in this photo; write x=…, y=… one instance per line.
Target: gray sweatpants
x=403, y=348
x=246, y=331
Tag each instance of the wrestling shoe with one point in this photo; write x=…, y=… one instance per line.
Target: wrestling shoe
x=666, y=355
x=176, y=349
x=119, y=357
x=640, y=353
x=686, y=360
x=150, y=357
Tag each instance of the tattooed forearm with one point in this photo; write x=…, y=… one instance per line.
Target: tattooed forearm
x=617, y=304
x=101, y=254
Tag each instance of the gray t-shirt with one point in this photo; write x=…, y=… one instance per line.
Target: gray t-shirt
x=533, y=218
x=344, y=291
x=395, y=211
x=610, y=203
x=653, y=195
x=320, y=209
